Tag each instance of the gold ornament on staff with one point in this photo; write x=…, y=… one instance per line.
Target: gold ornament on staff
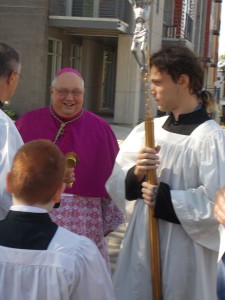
x=141, y=39
x=71, y=161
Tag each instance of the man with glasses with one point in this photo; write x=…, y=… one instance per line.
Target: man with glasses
x=85, y=208
x=10, y=139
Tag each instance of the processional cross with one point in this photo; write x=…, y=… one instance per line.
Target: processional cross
x=140, y=49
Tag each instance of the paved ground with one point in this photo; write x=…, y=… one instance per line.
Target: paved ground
x=121, y=131
x=116, y=237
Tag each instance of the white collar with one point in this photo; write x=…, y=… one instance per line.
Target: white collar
x=27, y=208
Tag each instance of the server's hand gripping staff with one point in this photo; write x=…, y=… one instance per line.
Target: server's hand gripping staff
x=141, y=39
x=71, y=161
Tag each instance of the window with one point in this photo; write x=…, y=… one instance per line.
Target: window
x=76, y=56
x=83, y=8
x=108, y=80
x=54, y=63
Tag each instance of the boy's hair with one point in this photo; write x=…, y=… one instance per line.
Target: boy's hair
x=37, y=172
x=177, y=60
x=9, y=60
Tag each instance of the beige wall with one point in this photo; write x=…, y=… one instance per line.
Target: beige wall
x=127, y=84
x=23, y=27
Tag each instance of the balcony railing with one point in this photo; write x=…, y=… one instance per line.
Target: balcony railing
x=216, y=32
x=120, y=9
x=176, y=32
x=181, y=30
x=170, y=31
x=205, y=59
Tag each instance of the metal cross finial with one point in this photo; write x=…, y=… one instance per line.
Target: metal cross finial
x=141, y=10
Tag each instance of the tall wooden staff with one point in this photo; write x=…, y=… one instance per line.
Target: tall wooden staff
x=140, y=39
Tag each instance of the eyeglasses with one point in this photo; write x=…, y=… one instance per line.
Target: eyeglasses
x=64, y=93
x=21, y=76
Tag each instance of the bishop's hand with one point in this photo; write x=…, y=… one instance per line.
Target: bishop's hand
x=71, y=161
x=69, y=177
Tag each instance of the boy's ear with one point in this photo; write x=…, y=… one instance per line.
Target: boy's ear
x=8, y=185
x=57, y=197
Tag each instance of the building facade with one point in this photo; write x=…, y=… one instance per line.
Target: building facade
x=95, y=37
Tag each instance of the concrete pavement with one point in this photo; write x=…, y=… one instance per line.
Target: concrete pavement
x=121, y=131
x=115, y=238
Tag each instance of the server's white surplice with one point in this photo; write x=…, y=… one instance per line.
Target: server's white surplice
x=10, y=142
x=70, y=269
x=194, y=168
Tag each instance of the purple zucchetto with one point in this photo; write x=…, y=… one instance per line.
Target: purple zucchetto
x=68, y=70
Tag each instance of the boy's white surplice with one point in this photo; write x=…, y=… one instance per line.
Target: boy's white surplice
x=70, y=269
x=194, y=168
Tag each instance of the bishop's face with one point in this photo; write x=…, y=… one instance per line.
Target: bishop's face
x=67, y=95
